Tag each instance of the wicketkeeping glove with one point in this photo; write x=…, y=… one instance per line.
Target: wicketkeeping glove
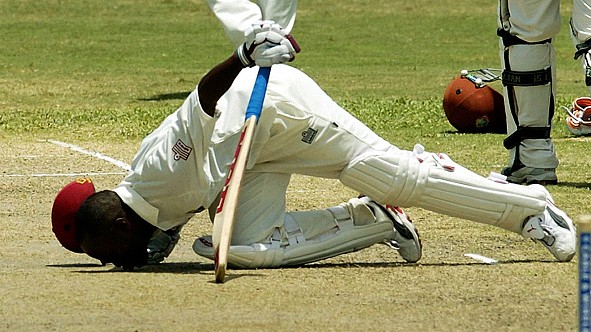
x=267, y=44
x=162, y=243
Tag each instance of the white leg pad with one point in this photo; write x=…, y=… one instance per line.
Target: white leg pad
x=288, y=246
x=436, y=183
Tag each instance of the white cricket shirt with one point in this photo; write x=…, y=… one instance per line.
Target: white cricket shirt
x=181, y=166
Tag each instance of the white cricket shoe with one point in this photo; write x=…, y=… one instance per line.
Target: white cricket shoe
x=553, y=229
x=406, y=236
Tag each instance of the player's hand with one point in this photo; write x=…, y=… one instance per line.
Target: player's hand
x=162, y=243
x=267, y=44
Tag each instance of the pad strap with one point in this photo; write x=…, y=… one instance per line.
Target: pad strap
x=342, y=217
x=510, y=40
x=293, y=231
x=582, y=48
x=527, y=78
x=525, y=133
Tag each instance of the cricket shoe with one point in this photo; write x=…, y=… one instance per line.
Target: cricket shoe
x=406, y=238
x=530, y=175
x=553, y=229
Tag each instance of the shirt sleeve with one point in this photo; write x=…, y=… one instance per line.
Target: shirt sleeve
x=236, y=16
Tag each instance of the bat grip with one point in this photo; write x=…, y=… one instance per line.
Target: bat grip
x=255, y=104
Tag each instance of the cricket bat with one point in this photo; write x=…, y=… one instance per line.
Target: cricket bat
x=225, y=215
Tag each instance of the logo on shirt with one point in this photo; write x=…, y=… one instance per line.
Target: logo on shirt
x=181, y=150
x=308, y=135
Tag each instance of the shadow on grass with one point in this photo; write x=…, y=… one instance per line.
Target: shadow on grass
x=167, y=96
x=465, y=133
x=77, y=265
x=407, y=265
x=584, y=185
x=180, y=268
x=196, y=267
x=236, y=273
x=172, y=268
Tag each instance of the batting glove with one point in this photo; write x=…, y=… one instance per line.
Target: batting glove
x=267, y=44
x=162, y=243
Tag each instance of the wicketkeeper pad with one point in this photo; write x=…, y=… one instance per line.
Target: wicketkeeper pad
x=436, y=183
x=65, y=207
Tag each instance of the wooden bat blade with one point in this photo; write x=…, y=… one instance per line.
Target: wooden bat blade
x=226, y=211
x=223, y=223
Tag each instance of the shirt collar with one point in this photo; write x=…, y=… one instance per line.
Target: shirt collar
x=138, y=204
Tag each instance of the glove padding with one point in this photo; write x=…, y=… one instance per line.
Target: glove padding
x=162, y=243
x=267, y=44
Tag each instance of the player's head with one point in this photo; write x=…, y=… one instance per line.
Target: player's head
x=110, y=231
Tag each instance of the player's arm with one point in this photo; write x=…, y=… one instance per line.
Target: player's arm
x=266, y=45
x=216, y=82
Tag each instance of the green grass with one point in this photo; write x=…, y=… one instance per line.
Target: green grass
x=103, y=70
x=68, y=63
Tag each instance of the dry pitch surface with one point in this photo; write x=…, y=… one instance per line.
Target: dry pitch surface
x=45, y=287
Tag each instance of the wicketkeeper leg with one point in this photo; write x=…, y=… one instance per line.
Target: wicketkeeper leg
x=528, y=78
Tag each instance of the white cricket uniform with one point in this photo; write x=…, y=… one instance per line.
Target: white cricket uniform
x=183, y=164
x=236, y=16
x=581, y=21
x=534, y=21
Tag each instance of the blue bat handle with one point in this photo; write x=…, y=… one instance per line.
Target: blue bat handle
x=255, y=104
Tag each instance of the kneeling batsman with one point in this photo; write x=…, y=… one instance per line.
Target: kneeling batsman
x=409, y=178
x=301, y=131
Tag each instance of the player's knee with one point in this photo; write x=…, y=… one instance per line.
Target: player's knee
x=388, y=178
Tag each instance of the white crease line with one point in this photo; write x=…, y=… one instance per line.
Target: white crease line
x=59, y=174
x=95, y=154
x=481, y=258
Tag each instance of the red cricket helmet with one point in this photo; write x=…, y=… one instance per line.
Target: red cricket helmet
x=474, y=109
x=65, y=207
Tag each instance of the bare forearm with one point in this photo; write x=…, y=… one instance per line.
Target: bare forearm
x=216, y=82
x=267, y=45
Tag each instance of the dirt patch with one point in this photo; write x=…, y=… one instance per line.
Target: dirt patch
x=45, y=287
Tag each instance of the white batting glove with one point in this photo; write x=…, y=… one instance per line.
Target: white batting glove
x=267, y=44
x=162, y=243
